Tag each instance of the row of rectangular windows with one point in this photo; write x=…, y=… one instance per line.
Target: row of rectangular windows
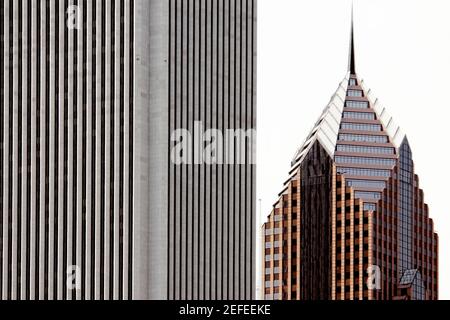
x=370, y=207
x=361, y=127
x=365, y=160
x=365, y=149
x=366, y=184
x=270, y=232
x=276, y=296
x=276, y=270
x=368, y=195
x=359, y=115
x=363, y=138
x=276, y=244
x=276, y=283
x=354, y=93
x=275, y=257
x=357, y=104
x=364, y=172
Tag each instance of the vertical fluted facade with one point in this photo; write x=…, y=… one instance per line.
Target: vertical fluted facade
x=90, y=92
x=212, y=79
x=66, y=149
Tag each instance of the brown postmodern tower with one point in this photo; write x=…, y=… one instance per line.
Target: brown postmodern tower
x=351, y=221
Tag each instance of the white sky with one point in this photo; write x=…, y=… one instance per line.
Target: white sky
x=402, y=53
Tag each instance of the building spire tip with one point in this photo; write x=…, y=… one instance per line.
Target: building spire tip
x=351, y=59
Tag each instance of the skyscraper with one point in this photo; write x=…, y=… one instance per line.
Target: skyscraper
x=91, y=205
x=351, y=221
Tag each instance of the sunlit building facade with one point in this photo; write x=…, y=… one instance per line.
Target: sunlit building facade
x=351, y=222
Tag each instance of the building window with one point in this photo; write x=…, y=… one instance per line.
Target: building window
x=366, y=184
x=357, y=104
x=360, y=115
x=352, y=82
x=370, y=207
x=361, y=127
x=368, y=195
x=365, y=149
x=365, y=172
x=365, y=160
x=354, y=93
x=277, y=231
x=277, y=218
x=363, y=138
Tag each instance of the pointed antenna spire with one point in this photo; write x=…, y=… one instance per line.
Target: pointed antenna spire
x=351, y=58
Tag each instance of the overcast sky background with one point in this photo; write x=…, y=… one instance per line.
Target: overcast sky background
x=402, y=53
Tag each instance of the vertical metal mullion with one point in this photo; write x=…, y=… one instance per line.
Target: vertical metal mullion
x=131, y=154
x=83, y=224
x=176, y=169
x=126, y=151
x=15, y=153
x=226, y=174
x=41, y=151
x=55, y=147
x=61, y=154
x=90, y=173
x=34, y=187
x=220, y=16
x=120, y=158
x=190, y=168
x=253, y=119
x=51, y=103
x=107, y=151
x=80, y=156
x=183, y=168
x=117, y=144
x=70, y=156
x=206, y=167
x=6, y=155
x=2, y=138
x=213, y=82
x=111, y=139
x=98, y=149
x=171, y=223
x=195, y=183
x=6, y=151
x=244, y=155
x=232, y=174
x=24, y=187
x=238, y=168
x=201, y=117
